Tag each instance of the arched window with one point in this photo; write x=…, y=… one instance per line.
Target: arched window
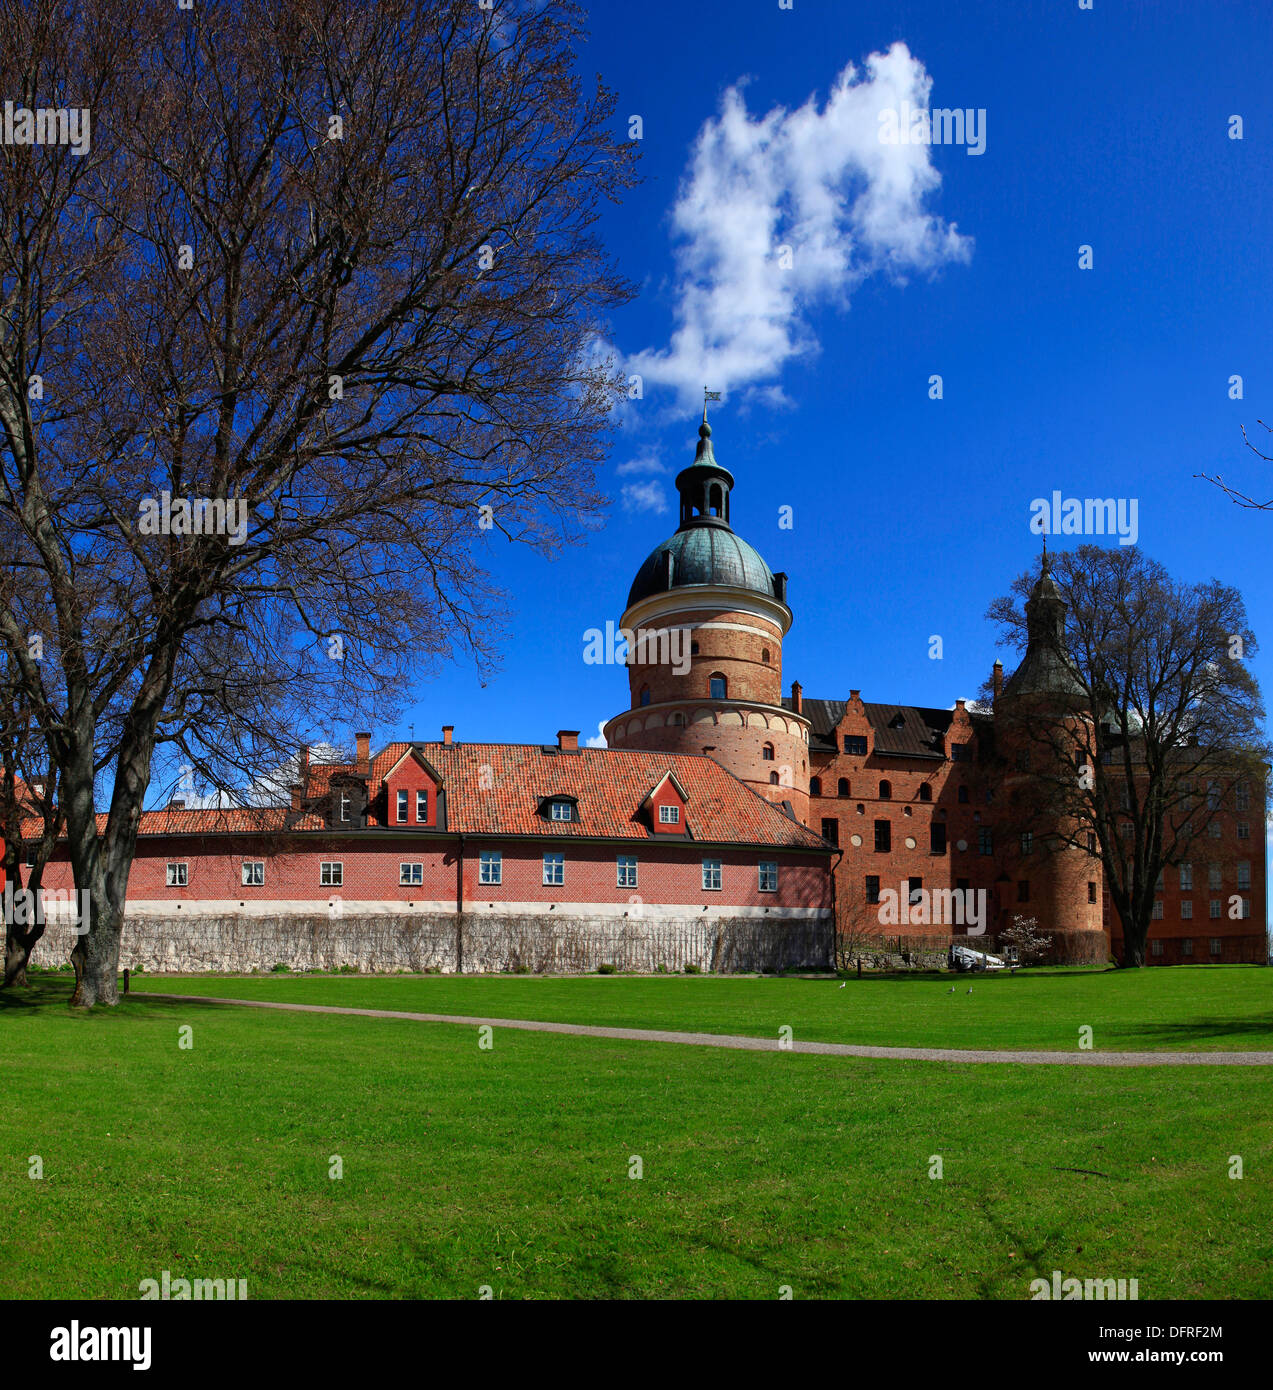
x=693, y=648
x=719, y=687
x=767, y=752
x=815, y=786
x=764, y=655
x=677, y=719
x=886, y=791
x=773, y=779
x=645, y=694
x=843, y=788
x=925, y=792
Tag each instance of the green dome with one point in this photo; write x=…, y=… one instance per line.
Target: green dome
x=702, y=555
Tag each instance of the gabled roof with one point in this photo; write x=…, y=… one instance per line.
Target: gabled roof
x=913, y=731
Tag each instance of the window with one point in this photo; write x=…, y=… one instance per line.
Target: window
x=925, y=792
x=718, y=686
x=1244, y=875
x=872, y=888
x=767, y=752
x=344, y=805
x=764, y=655
x=1213, y=797
x=1186, y=878
x=1243, y=797
x=773, y=779
x=178, y=875
x=1157, y=909
x=1155, y=948
x=253, y=873
x=937, y=839
x=883, y=837
x=1027, y=842
x=914, y=891
x=490, y=866
x=1214, y=830
x=1246, y=908
x=962, y=796
x=1214, y=909
x=985, y=841
x=1023, y=890
x=410, y=873
x=645, y=695
x=554, y=870
x=1213, y=876
x=669, y=815
x=960, y=753
x=768, y=875
x=331, y=873
x=842, y=787
x=1091, y=891
x=1244, y=830
x=1217, y=946
x=1186, y=946
x=626, y=871
x=422, y=805
x=1091, y=842
x=1186, y=909
x=855, y=744
x=402, y=806
x=711, y=875
x=831, y=831
x=815, y=786
x=886, y=791
x=693, y=648
x=561, y=810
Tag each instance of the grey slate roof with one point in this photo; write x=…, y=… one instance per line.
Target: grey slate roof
x=921, y=732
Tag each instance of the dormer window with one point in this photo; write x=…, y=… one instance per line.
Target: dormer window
x=402, y=807
x=561, y=810
x=422, y=805
x=669, y=815
x=898, y=721
x=344, y=806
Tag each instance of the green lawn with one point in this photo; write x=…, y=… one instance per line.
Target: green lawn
x=509, y=1167
x=1191, y=1008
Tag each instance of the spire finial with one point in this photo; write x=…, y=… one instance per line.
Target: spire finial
x=708, y=396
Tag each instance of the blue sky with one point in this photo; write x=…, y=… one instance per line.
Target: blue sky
x=1107, y=128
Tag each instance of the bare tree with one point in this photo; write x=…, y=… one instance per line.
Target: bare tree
x=1243, y=499
x=1162, y=720
x=332, y=269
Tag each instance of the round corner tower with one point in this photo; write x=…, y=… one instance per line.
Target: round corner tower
x=704, y=621
x=1043, y=732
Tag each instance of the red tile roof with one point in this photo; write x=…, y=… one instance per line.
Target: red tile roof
x=498, y=789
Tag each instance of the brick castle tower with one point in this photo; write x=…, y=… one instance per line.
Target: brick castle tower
x=707, y=581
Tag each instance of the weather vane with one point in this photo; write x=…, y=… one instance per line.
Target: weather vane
x=709, y=396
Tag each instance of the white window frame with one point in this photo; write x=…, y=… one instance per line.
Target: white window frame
x=1186, y=910
x=554, y=869
x=177, y=874
x=669, y=815
x=767, y=876
x=713, y=869
x=490, y=868
x=402, y=805
x=331, y=873
x=561, y=811
x=1186, y=878
x=1244, y=876
x=421, y=805
x=411, y=874
x=1215, y=912
x=1158, y=910
x=254, y=873
x=625, y=871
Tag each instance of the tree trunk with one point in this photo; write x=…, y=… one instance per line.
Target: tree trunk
x=18, y=945
x=96, y=955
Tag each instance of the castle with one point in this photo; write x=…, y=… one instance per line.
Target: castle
x=727, y=825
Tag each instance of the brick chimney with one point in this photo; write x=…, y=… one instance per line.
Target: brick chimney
x=447, y=731
x=998, y=679
x=797, y=697
x=960, y=704
x=364, y=752
x=568, y=740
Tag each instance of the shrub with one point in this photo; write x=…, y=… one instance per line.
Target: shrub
x=606, y=968
x=281, y=969
x=692, y=970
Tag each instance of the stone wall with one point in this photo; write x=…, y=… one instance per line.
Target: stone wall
x=447, y=943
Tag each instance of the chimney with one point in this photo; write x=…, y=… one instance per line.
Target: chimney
x=364, y=752
x=568, y=740
x=854, y=694
x=447, y=731
x=959, y=704
x=998, y=679
x=177, y=804
x=797, y=697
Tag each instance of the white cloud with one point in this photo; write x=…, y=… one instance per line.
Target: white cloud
x=644, y=497
x=817, y=180
x=643, y=463
x=598, y=740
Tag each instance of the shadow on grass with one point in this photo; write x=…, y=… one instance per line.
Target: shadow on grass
x=1198, y=1029
x=53, y=991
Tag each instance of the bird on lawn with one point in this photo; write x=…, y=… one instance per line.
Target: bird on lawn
x=843, y=983
x=951, y=990
x=969, y=989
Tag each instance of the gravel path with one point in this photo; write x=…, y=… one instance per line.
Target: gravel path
x=746, y=1044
